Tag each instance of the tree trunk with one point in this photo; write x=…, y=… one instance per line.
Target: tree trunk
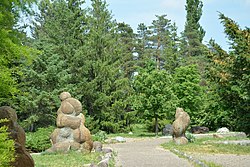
x=156, y=126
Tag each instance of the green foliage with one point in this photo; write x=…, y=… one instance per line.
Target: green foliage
x=40, y=140
x=154, y=97
x=190, y=93
x=191, y=138
x=100, y=136
x=230, y=73
x=14, y=55
x=7, y=149
x=150, y=125
x=193, y=33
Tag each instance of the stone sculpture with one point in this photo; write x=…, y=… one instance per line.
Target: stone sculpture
x=22, y=157
x=71, y=133
x=182, y=121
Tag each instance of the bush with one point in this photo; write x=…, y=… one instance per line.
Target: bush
x=100, y=136
x=7, y=149
x=191, y=138
x=40, y=140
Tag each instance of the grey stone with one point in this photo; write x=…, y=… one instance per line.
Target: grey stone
x=97, y=146
x=199, y=129
x=168, y=130
x=107, y=150
x=120, y=139
x=103, y=163
x=223, y=130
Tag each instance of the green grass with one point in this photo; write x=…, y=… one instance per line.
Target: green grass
x=207, y=145
x=71, y=159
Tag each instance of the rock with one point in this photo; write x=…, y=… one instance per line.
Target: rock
x=217, y=136
x=22, y=157
x=199, y=129
x=107, y=150
x=181, y=140
x=180, y=125
x=120, y=139
x=103, y=163
x=130, y=133
x=167, y=130
x=97, y=146
x=71, y=133
x=223, y=130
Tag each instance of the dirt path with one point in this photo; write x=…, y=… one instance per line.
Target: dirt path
x=146, y=153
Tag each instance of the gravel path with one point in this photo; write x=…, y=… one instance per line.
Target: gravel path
x=146, y=153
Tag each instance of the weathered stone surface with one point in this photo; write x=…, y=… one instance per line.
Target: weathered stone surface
x=64, y=120
x=76, y=104
x=71, y=132
x=167, y=130
x=223, y=130
x=180, y=125
x=23, y=158
x=97, y=146
x=64, y=95
x=67, y=108
x=181, y=140
x=199, y=129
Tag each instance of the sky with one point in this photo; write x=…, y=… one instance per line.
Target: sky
x=133, y=12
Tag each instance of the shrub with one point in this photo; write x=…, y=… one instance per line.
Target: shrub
x=100, y=136
x=7, y=149
x=191, y=138
x=40, y=140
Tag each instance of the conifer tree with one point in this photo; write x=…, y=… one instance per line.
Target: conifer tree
x=193, y=33
x=57, y=34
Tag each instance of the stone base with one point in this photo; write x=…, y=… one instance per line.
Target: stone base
x=181, y=140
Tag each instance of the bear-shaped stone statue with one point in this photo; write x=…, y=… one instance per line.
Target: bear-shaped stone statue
x=71, y=132
x=180, y=125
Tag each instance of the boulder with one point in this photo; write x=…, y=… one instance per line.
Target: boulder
x=223, y=130
x=199, y=129
x=22, y=157
x=180, y=125
x=97, y=146
x=167, y=130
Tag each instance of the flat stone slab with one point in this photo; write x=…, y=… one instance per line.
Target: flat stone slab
x=229, y=134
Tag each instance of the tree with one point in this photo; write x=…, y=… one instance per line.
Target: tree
x=189, y=92
x=103, y=72
x=193, y=33
x=164, y=41
x=230, y=72
x=154, y=95
x=13, y=54
x=57, y=34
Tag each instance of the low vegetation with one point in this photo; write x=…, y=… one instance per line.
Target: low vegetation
x=209, y=145
x=71, y=159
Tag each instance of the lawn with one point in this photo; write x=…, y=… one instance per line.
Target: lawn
x=209, y=145
x=71, y=159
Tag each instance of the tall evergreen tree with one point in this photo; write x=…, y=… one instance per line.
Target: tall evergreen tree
x=101, y=79
x=193, y=33
x=230, y=71
x=57, y=34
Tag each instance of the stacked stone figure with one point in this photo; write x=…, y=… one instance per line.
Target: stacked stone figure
x=22, y=157
x=71, y=133
x=180, y=125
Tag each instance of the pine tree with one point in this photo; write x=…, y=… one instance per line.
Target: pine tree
x=193, y=33
x=57, y=34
